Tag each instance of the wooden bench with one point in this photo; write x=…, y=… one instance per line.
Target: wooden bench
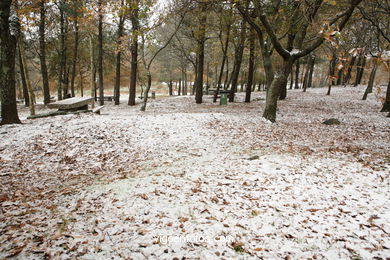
x=106, y=98
x=73, y=104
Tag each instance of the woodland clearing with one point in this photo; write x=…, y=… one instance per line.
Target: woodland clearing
x=117, y=185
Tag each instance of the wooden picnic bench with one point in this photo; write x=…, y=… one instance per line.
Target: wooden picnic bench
x=73, y=104
x=106, y=98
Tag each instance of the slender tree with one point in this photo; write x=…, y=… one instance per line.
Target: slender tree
x=42, y=52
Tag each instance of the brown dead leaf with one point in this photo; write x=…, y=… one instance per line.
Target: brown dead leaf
x=16, y=251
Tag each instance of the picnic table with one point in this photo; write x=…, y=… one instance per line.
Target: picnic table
x=106, y=98
x=73, y=104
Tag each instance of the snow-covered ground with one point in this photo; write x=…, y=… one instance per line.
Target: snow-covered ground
x=187, y=181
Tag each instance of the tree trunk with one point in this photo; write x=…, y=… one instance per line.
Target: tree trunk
x=237, y=61
x=339, y=77
x=291, y=79
x=9, y=112
x=360, y=69
x=93, y=68
x=134, y=55
x=251, y=66
x=170, y=90
x=313, y=62
x=27, y=77
x=179, y=89
x=370, y=85
x=348, y=75
x=309, y=73
x=224, y=56
x=81, y=83
x=185, y=83
x=42, y=53
x=386, y=105
x=62, y=70
x=146, y=94
x=279, y=81
x=200, y=53
x=118, y=57
x=297, y=66
x=332, y=68
x=283, y=86
x=75, y=55
x=24, y=84
x=100, y=53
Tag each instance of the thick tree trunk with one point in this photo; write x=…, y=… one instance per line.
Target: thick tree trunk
x=75, y=55
x=9, y=112
x=200, y=53
x=118, y=58
x=386, y=105
x=134, y=55
x=24, y=84
x=100, y=53
x=251, y=66
x=370, y=85
x=237, y=61
x=279, y=81
x=283, y=86
x=42, y=53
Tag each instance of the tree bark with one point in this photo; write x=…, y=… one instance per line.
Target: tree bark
x=386, y=105
x=349, y=70
x=251, y=66
x=62, y=70
x=360, y=69
x=9, y=112
x=200, y=53
x=332, y=69
x=134, y=53
x=118, y=57
x=100, y=52
x=24, y=84
x=297, y=66
x=170, y=88
x=279, y=81
x=370, y=85
x=237, y=61
x=179, y=89
x=310, y=82
x=93, y=67
x=308, y=73
x=224, y=56
x=75, y=55
x=42, y=54
x=27, y=77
